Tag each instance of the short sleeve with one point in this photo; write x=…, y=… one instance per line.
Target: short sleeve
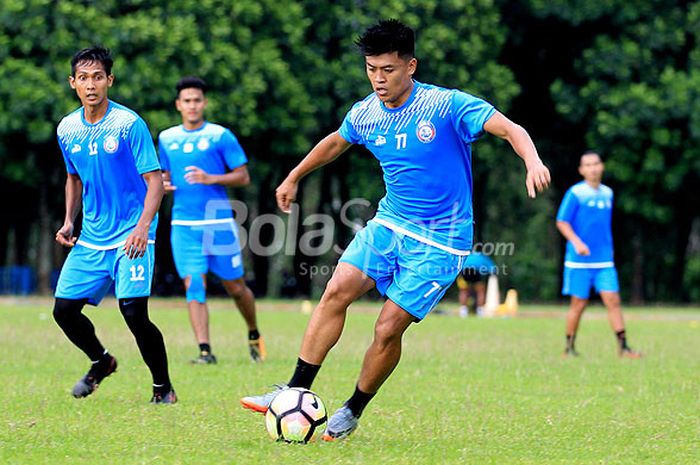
x=568, y=208
x=231, y=150
x=347, y=130
x=141, y=144
x=163, y=153
x=469, y=115
x=70, y=167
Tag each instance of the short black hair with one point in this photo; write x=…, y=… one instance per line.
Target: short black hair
x=90, y=55
x=387, y=36
x=590, y=152
x=191, y=82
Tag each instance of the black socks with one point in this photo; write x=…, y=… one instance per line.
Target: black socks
x=253, y=334
x=622, y=340
x=148, y=338
x=304, y=374
x=68, y=313
x=205, y=348
x=359, y=401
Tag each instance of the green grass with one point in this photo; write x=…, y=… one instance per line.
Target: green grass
x=466, y=391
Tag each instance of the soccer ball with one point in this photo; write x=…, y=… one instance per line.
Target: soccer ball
x=296, y=415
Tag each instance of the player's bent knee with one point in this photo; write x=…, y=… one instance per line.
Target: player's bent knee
x=64, y=309
x=197, y=289
x=236, y=289
x=387, y=332
x=134, y=310
x=336, y=292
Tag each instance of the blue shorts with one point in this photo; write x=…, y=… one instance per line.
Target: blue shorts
x=88, y=274
x=213, y=247
x=578, y=281
x=414, y=275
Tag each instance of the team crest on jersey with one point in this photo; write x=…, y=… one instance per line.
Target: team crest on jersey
x=425, y=132
x=76, y=148
x=188, y=147
x=381, y=140
x=203, y=144
x=111, y=144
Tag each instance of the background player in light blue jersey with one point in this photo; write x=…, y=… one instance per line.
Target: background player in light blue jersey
x=585, y=220
x=415, y=246
x=200, y=159
x=114, y=173
x=472, y=282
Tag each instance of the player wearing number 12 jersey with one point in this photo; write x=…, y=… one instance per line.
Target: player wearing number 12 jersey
x=415, y=246
x=114, y=173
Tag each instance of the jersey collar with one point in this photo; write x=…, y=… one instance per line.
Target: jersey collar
x=110, y=105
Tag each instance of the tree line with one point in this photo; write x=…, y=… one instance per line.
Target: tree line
x=620, y=77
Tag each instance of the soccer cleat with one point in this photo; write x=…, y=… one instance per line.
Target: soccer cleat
x=341, y=424
x=257, y=349
x=569, y=352
x=168, y=398
x=629, y=353
x=88, y=383
x=205, y=358
x=261, y=403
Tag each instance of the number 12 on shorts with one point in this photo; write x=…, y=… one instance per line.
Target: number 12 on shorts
x=137, y=273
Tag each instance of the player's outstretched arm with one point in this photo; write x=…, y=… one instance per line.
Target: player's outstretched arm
x=137, y=241
x=324, y=152
x=74, y=201
x=538, y=177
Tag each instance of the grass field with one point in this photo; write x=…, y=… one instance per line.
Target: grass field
x=466, y=391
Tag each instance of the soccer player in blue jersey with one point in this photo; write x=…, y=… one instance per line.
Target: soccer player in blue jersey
x=200, y=159
x=585, y=220
x=113, y=172
x=416, y=245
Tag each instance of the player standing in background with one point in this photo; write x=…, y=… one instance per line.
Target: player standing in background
x=416, y=245
x=200, y=159
x=113, y=172
x=585, y=220
x=477, y=268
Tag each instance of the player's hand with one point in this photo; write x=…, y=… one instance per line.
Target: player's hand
x=195, y=175
x=64, y=236
x=537, y=179
x=136, y=243
x=581, y=248
x=169, y=187
x=286, y=194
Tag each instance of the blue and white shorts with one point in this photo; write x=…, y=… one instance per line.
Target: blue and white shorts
x=88, y=274
x=414, y=275
x=579, y=281
x=203, y=248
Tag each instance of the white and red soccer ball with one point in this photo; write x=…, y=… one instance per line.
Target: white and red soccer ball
x=296, y=415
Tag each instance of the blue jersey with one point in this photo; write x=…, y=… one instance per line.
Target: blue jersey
x=109, y=156
x=480, y=263
x=589, y=212
x=211, y=148
x=424, y=150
